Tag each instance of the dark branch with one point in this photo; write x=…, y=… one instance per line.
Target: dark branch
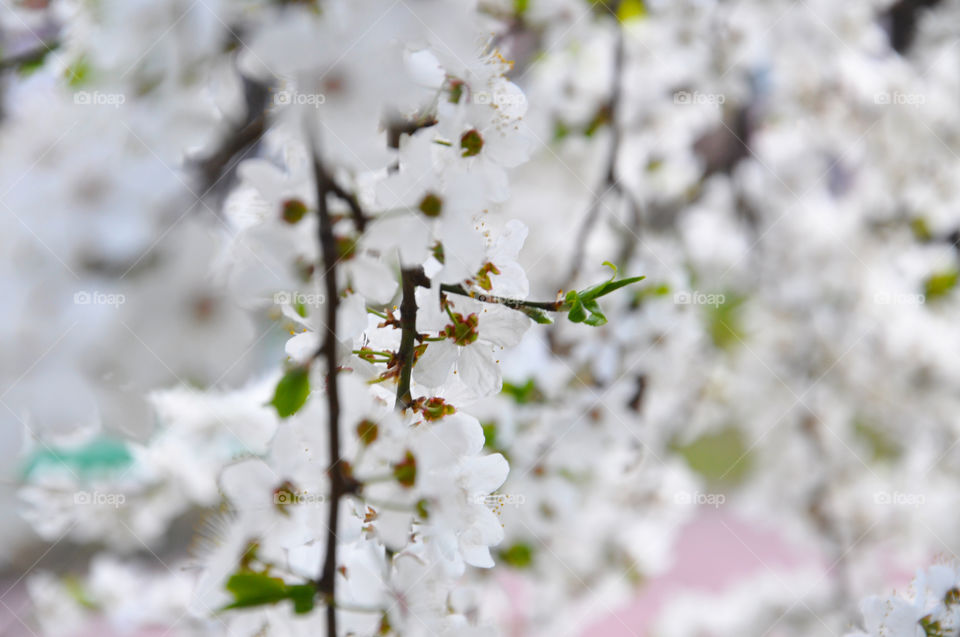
x=514, y=304
x=411, y=278
x=213, y=167
x=29, y=56
x=339, y=484
x=359, y=219
x=609, y=180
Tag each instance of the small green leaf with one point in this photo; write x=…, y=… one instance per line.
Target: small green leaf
x=292, y=391
x=577, y=314
x=422, y=509
x=258, y=589
x=721, y=457
x=538, y=316
x=78, y=73
x=490, y=433
x=631, y=9
x=520, y=555
x=611, y=286
x=303, y=596
x=523, y=394
x=940, y=283
x=596, y=318
x=255, y=589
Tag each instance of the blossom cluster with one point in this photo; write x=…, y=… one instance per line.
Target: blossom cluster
x=344, y=285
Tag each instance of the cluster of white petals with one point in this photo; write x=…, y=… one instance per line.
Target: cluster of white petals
x=277, y=276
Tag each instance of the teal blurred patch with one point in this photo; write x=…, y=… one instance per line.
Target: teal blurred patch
x=99, y=456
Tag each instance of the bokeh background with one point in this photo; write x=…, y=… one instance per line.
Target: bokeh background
x=769, y=420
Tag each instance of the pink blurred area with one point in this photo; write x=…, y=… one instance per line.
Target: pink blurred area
x=714, y=551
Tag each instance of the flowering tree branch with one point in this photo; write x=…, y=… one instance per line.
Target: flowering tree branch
x=609, y=180
x=515, y=304
x=411, y=278
x=339, y=484
x=29, y=56
x=241, y=138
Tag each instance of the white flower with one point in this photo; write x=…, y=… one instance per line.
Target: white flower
x=473, y=335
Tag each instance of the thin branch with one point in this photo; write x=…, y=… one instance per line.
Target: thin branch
x=339, y=485
x=513, y=304
x=29, y=56
x=359, y=219
x=609, y=180
x=411, y=278
x=243, y=136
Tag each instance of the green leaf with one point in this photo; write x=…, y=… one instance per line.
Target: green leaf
x=596, y=317
x=520, y=555
x=577, y=314
x=490, y=434
x=523, y=394
x=724, y=322
x=610, y=286
x=303, y=596
x=255, y=589
x=538, y=316
x=258, y=589
x=940, y=283
x=631, y=9
x=721, y=457
x=292, y=391
x=582, y=306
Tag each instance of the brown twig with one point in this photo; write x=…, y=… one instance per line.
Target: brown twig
x=339, y=485
x=513, y=304
x=609, y=180
x=411, y=278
